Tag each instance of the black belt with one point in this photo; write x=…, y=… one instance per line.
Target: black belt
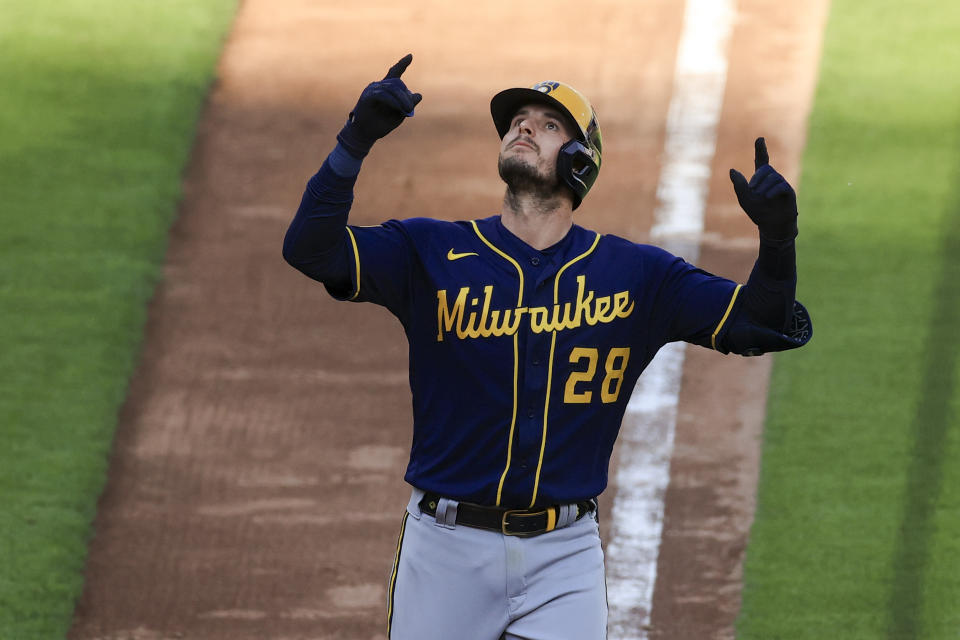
x=510, y=522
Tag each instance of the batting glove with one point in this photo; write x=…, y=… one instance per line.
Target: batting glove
x=768, y=198
x=381, y=108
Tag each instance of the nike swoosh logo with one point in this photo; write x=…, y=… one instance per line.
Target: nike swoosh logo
x=456, y=256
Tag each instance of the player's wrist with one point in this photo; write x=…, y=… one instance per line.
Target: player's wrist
x=777, y=259
x=778, y=232
x=353, y=140
x=344, y=163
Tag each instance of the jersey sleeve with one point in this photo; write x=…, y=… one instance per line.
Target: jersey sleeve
x=693, y=305
x=379, y=267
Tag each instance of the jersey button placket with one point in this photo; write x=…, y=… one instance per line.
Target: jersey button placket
x=534, y=375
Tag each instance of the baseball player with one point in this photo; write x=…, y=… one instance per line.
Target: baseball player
x=527, y=334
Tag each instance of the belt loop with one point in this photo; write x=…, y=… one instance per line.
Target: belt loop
x=447, y=513
x=413, y=507
x=566, y=514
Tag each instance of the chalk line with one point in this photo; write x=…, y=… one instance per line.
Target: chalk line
x=646, y=437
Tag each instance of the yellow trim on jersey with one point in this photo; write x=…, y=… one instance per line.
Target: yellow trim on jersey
x=505, y=257
x=393, y=576
x=356, y=257
x=556, y=282
x=553, y=344
x=516, y=362
x=513, y=417
x=713, y=338
x=546, y=411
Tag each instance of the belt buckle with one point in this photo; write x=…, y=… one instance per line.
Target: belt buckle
x=522, y=512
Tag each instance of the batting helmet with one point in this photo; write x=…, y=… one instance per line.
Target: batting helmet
x=579, y=161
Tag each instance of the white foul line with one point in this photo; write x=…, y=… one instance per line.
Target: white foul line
x=646, y=437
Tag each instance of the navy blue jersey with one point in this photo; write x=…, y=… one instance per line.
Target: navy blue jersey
x=522, y=361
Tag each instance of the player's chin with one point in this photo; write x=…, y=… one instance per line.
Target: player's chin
x=515, y=169
x=513, y=155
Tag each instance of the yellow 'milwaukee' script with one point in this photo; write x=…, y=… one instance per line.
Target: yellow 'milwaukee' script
x=478, y=320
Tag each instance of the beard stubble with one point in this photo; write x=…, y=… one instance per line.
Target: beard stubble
x=522, y=177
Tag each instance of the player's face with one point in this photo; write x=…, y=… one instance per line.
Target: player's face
x=529, y=150
x=536, y=134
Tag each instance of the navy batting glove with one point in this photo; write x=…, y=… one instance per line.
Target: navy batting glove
x=768, y=198
x=381, y=108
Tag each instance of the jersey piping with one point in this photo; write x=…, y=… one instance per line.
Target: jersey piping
x=356, y=258
x=713, y=338
x=516, y=361
x=553, y=344
x=393, y=576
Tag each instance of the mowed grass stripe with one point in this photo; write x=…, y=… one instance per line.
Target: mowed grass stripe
x=862, y=423
x=100, y=102
x=936, y=411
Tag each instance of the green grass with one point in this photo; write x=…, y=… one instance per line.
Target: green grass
x=99, y=103
x=857, y=530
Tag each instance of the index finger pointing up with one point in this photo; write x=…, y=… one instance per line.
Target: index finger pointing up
x=397, y=70
x=760, y=157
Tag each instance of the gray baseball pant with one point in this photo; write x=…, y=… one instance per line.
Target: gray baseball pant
x=451, y=582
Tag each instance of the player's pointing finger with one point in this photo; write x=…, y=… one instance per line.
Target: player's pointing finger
x=760, y=157
x=397, y=70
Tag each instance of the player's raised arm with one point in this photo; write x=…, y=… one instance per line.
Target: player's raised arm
x=770, y=318
x=316, y=242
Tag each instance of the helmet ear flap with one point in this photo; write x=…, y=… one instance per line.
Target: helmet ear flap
x=577, y=168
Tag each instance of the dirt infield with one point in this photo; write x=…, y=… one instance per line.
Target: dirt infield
x=256, y=484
